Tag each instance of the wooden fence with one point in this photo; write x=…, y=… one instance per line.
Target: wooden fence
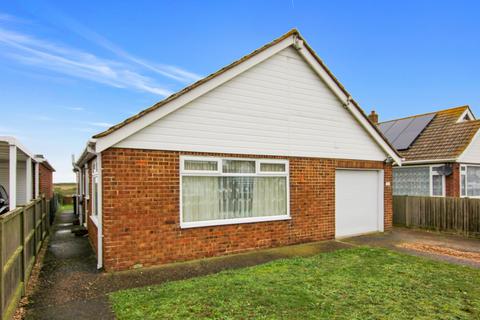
x=459, y=215
x=22, y=232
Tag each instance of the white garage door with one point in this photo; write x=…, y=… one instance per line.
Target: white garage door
x=358, y=202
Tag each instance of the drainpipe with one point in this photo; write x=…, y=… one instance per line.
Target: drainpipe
x=100, y=212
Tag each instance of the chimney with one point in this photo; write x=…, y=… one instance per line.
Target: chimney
x=373, y=116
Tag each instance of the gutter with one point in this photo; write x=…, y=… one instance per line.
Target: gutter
x=429, y=161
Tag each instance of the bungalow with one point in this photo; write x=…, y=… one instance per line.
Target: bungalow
x=269, y=151
x=441, y=153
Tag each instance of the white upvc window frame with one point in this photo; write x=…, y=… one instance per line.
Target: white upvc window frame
x=95, y=197
x=466, y=180
x=86, y=183
x=219, y=173
x=432, y=173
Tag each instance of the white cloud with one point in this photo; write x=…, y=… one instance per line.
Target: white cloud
x=32, y=51
x=5, y=17
x=43, y=118
x=169, y=71
x=6, y=130
x=75, y=108
x=100, y=124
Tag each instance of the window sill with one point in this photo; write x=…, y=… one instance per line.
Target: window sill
x=94, y=220
x=211, y=223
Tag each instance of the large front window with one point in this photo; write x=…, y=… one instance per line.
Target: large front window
x=218, y=191
x=419, y=181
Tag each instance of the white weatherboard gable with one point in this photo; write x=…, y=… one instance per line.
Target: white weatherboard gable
x=278, y=107
x=472, y=153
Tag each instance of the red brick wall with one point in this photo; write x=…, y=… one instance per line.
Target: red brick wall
x=45, y=181
x=141, y=220
x=452, y=182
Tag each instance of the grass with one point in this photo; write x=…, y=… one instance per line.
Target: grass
x=65, y=188
x=359, y=283
x=65, y=208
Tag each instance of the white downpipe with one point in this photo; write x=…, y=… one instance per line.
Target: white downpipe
x=100, y=213
x=29, y=177
x=37, y=180
x=12, y=177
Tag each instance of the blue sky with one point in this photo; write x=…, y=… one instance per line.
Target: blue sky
x=69, y=69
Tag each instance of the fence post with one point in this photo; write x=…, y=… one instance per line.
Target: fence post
x=407, y=212
x=23, y=234
x=49, y=208
x=34, y=235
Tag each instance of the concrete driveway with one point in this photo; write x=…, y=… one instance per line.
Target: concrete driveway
x=446, y=247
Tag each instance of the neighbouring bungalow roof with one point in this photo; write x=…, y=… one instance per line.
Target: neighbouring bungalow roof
x=443, y=138
x=22, y=152
x=41, y=159
x=293, y=32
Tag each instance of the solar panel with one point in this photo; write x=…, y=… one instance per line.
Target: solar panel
x=401, y=133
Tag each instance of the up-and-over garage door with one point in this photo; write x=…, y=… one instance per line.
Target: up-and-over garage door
x=358, y=202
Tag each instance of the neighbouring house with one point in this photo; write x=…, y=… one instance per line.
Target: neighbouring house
x=440, y=151
x=269, y=151
x=24, y=175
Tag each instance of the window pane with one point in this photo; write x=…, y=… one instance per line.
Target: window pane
x=200, y=165
x=272, y=167
x=214, y=198
x=238, y=166
x=437, y=185
x=463, y=188
x=473, y=178
x=411, y=181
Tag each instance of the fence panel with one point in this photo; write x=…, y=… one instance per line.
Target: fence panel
x=22, y=232
x=459, y=215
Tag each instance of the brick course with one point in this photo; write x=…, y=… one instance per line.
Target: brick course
x=452, y=182
x=45, y=181
x=141, y=220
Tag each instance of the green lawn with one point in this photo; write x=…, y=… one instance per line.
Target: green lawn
x=65, y=208
x=360, y=283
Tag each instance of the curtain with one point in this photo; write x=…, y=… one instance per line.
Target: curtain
x=200, y=198
x=272, y=167
x=198, y=165
x=270, y=196
x=238, y=166
x=215, y=198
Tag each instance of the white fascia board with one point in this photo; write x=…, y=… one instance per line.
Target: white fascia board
x=89, y=150
x=430, y=161
x=346, y=100
x=115, y=137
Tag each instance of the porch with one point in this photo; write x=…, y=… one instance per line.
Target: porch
x=19, y=172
